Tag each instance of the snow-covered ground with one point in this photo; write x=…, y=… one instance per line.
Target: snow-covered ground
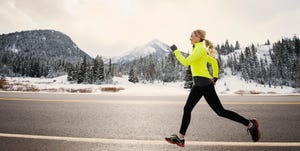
x=229, y=85
x=234, y=85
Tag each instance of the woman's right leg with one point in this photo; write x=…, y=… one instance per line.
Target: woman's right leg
x=194, y=96
x=213, y=101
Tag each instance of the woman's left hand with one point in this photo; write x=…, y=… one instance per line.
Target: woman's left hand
x=173, y=48
x=214, y=80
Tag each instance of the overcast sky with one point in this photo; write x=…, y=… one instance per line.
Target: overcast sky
x=112, y=27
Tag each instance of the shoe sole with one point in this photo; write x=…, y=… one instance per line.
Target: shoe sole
x=180, y=145
x=171, y=142
x=257, y=126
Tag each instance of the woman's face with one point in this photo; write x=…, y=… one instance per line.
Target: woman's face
x=194, y=39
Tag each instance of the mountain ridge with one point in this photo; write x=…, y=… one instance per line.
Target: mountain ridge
x=45, y=43
x=154, y=47
x=37, y=53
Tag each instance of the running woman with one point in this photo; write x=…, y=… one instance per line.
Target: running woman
x=203, y=52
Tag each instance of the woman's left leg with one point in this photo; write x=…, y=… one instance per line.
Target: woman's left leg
x=194, y=97
x=213, y=100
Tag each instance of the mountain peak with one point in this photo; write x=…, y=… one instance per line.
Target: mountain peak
x=154, y=41
x=154, y=47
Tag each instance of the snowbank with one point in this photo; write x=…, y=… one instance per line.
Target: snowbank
x=234, y=85
x=231, y=85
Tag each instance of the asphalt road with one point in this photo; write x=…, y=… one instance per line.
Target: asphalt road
x=42, y=121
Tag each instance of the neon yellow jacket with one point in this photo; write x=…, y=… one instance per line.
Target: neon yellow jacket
x=198, y=60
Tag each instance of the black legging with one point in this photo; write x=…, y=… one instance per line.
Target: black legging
x=212, y=99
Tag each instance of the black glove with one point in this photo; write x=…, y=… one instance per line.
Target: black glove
x=215, y=80
x=173, y=48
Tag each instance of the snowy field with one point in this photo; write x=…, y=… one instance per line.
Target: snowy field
x=230, y=85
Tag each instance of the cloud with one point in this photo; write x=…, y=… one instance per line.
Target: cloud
x=42, y=10
x=11, y=16
x=110, y=27
x=285, y=24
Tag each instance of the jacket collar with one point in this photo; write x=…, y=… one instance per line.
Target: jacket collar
x=198, y=44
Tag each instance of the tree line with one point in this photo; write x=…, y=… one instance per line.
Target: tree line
x=28, y=65
x=94, y=72
x=282, y=69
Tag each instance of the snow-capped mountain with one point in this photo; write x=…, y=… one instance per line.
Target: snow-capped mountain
x=154, y=47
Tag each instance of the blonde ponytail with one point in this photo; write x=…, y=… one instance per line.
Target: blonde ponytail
x=210, y=48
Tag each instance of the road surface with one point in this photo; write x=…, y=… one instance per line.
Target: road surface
x=45, y=121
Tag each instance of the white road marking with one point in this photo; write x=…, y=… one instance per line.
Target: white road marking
x=152, y=101
x=151, y=142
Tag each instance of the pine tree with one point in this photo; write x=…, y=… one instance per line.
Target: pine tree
x=297, y=51
x=268, y=42
x=169, y=68
x=298, y=75
x=98, y=70
x=297, y=46
x=109, y=73
x=237, y=45
x=231, y=48
x=243, y=63
x=95, y=69
x=132, y=78
x=150, y=69
x=262, y=74
x=227, y=47
x=90, y=75
x=223, y=50
x=83, y=71
x=100, y=73
x=188, y=84
x=76, y=72
x=254, y=64
x=221, y=65
x=218, y=47
x=110, y=68
x=71, y=71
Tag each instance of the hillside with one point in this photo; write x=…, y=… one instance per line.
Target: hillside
x=46, y=51
x=276, y=64
x=41, y=44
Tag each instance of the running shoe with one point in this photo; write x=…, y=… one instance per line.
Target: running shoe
x=174, y=139
x=254, y=131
